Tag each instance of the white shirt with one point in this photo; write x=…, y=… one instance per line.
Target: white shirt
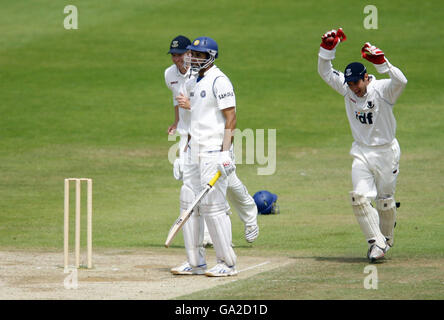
x=371, y=117
x=175, y=81
x=208, y=97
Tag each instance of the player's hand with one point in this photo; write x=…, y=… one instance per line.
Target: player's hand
x=225, y=164
x=183, y=101
x=372, y=54
x=172, y=129
x=331, y=38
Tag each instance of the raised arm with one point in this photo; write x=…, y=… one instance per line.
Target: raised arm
x=327, y=51
x=393, y=87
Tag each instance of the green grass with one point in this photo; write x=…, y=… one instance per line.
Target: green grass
x=92, y=102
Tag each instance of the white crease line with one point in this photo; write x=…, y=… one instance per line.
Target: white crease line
x=246, y=269
x=258, y=265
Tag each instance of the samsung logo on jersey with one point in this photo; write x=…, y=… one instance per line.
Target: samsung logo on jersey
x=364, y=118
x=224, y=95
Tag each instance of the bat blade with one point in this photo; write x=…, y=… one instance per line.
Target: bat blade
x=184, y=216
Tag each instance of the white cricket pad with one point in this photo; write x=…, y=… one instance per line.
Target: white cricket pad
x=192, y=230
x=387, y=218
x=219, y=225
x=368, y=219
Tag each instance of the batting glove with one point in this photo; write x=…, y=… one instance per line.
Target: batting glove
x=372, y=54
x=225, y=164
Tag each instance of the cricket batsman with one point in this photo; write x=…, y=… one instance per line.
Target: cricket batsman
x=369, y=106
x=175, y=78
x=210, y=96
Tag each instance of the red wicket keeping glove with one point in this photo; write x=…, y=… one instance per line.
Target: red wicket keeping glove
x=331, y=39
x=373, y=54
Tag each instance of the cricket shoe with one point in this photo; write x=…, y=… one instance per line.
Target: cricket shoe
x=389, y=245
x=221, y=270
x=186, y=269
x=251, y=233
x=376, y=253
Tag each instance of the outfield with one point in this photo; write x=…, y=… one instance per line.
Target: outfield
x=92, y=102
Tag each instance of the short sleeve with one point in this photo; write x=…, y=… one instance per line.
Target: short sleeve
x=224, y=93
x=167, y=82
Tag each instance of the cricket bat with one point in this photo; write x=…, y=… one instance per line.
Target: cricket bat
x=184, y=216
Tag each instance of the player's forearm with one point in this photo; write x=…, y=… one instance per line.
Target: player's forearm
x=230, y=125
x=325, y=69
x=176, y=114
x=332, y=77
x=397, y=76
x=397, y=80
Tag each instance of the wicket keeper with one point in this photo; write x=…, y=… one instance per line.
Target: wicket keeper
x=369, y=106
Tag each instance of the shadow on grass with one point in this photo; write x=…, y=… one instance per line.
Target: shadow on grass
x=349, y=260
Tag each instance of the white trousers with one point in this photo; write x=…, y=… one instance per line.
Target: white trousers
x=212, y=209
x=374, y=174
x=375, y=169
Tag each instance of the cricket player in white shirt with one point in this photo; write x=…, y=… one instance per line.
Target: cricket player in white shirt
x=369, y=105
x=175, y=78
x=211, y=98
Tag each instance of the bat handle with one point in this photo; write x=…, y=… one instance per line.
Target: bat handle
x=216, y=176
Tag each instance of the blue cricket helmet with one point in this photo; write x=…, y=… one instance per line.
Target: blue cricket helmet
x=266, y=202
x=205, y=44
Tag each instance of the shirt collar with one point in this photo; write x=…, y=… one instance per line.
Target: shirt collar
x=210, y=70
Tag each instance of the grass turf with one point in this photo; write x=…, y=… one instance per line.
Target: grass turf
x=92, y=102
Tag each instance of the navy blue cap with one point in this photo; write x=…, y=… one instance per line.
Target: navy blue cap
x=354, y=71
x=179, y=44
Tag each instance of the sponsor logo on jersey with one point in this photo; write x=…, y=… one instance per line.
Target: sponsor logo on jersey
x=364, y=118
x=352, y=100
x=203, y=93
x=226, y=94
x=174, y=82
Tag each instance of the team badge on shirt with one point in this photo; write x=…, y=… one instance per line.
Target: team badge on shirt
x=203, y=93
